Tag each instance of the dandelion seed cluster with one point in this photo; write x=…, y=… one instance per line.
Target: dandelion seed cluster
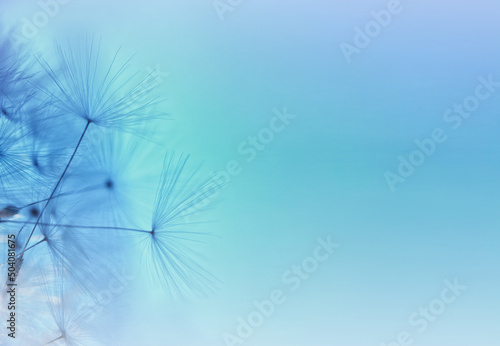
x=77, y=199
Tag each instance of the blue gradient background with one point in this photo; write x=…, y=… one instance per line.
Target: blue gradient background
x=325, y=173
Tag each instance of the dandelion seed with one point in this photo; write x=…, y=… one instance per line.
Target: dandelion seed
x=166, y=247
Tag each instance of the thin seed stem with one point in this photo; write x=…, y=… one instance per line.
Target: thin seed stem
x=75, y=226
x=86, y=189
x=59, y=338
x=32, y=246
x=58, y=182
x=18, y=233
x=68, y=226
x=19, y=255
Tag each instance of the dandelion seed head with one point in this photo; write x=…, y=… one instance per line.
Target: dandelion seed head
x=34, y=212
x=98, y=91
x=109, y=183
x=167, y=247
